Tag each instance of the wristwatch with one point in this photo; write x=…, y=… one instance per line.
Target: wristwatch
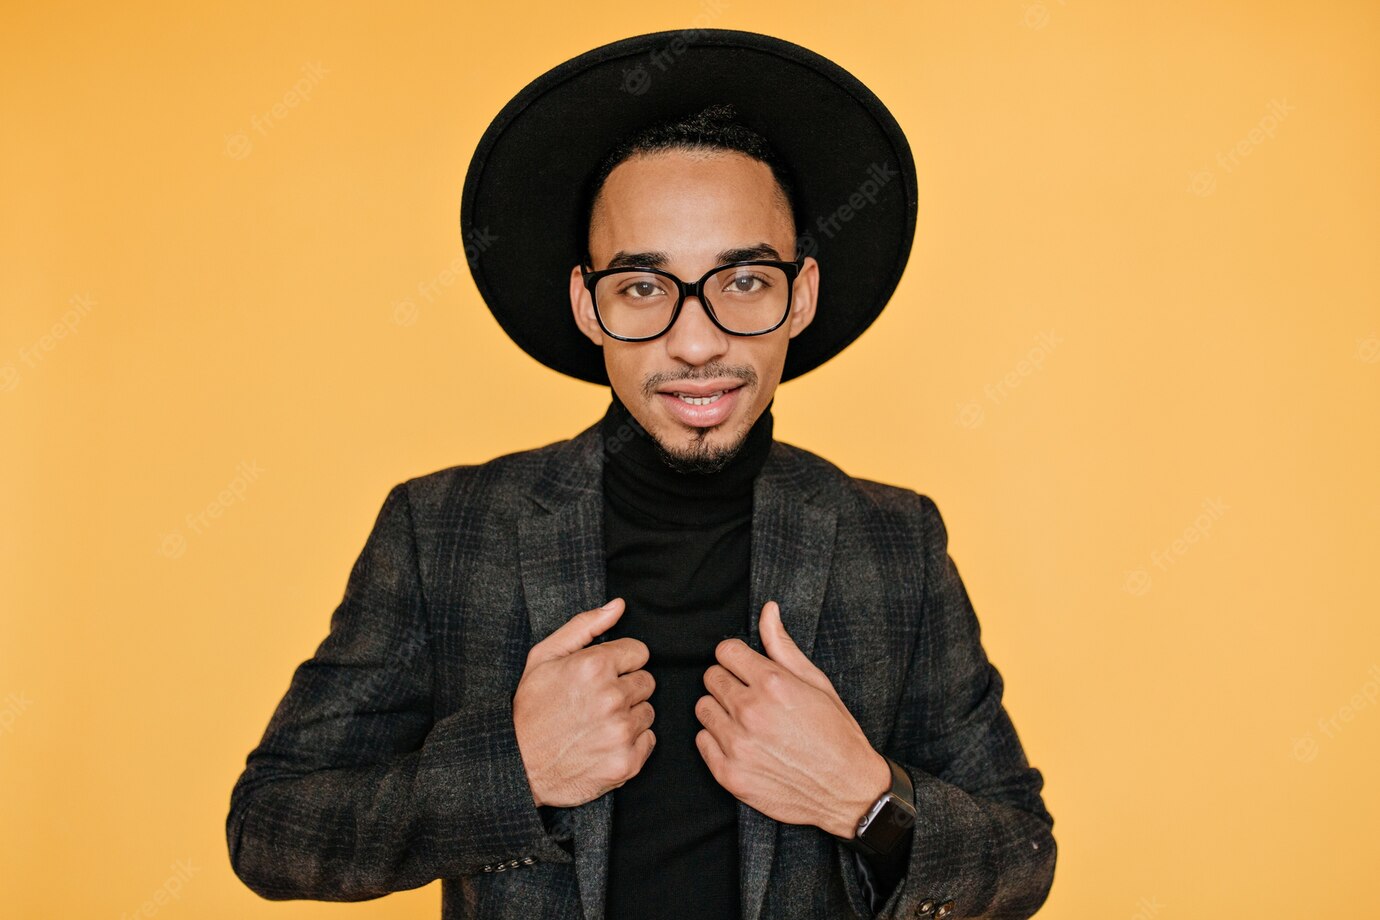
x=889, y=819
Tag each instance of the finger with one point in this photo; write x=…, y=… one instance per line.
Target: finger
x=782, y=649
x=712, y=715
x=637, y=686
x=576, y=632
x=742, y=660
x=724, y=687
x=644, y=744
x=711, y=753
x=643, y=716
x=628, y=654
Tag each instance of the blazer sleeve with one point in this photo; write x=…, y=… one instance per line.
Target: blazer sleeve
x=355, y=790
x=982, y=844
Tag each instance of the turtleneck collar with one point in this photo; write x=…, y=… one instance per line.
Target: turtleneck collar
x=642, y=483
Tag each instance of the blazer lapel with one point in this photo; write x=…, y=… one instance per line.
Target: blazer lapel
x=561, y=545
x=792, y=547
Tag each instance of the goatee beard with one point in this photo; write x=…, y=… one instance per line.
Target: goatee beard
x=700, y=459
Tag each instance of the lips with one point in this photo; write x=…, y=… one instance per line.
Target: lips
x=700, y=405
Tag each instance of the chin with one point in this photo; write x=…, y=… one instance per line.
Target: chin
x=701, y=450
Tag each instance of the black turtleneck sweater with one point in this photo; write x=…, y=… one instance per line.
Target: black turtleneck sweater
x=677, y=548
x=677, y=551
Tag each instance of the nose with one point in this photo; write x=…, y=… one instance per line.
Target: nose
x=694, y=338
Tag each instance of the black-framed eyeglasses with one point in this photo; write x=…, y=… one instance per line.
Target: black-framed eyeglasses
x=741, y=298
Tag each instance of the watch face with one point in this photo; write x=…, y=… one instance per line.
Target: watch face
x=887, y=823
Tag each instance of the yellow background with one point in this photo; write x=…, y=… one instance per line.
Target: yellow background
x=1204, y=711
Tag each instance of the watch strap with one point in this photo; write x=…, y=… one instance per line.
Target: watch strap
x=902, y=789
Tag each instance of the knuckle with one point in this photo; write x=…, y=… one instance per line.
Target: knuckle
x=590, y=667
x=630, y=654
x=732, y=745
x=614, y=735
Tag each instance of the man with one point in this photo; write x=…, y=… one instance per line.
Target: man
x=784, y=710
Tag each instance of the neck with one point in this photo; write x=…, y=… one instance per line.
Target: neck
x=639, y=477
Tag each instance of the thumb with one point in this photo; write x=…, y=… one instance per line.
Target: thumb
x=781, y=648
x=577, y=632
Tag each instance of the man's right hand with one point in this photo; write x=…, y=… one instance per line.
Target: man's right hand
x=581, y=714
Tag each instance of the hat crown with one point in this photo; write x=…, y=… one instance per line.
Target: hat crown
x=523, y=208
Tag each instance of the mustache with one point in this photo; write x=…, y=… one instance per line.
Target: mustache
x=744, y=374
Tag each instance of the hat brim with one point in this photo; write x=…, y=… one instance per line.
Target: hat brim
x=520, y=212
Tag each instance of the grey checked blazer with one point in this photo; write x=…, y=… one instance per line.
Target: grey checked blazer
x=392, y=760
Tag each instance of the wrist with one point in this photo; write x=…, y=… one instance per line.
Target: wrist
x=874, y=782
x=527, y=765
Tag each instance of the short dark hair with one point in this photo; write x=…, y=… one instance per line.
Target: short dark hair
x=715, y=127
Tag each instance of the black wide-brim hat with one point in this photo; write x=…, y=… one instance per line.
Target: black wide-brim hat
x=522, y=210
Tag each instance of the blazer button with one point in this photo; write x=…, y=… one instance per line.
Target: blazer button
x=527, y=860
x=926, y=906
x=944, y=909
x=488, y=868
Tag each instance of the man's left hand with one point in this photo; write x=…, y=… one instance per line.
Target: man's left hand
x=778, y=737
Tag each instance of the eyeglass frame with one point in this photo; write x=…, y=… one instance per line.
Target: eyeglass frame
x=696, y=289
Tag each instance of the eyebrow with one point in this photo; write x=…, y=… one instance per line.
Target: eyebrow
x=659, y=258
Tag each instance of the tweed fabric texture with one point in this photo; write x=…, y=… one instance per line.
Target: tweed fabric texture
x=391, y=761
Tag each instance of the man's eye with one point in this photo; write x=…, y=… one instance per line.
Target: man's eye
x=640, y=289
x=746, y=283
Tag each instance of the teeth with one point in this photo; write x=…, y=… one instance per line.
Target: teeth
x=700, y=400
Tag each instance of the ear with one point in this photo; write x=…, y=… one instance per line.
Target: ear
x=803, y=298
x=583, y=308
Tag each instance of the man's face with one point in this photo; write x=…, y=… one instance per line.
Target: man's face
x=687, y=212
